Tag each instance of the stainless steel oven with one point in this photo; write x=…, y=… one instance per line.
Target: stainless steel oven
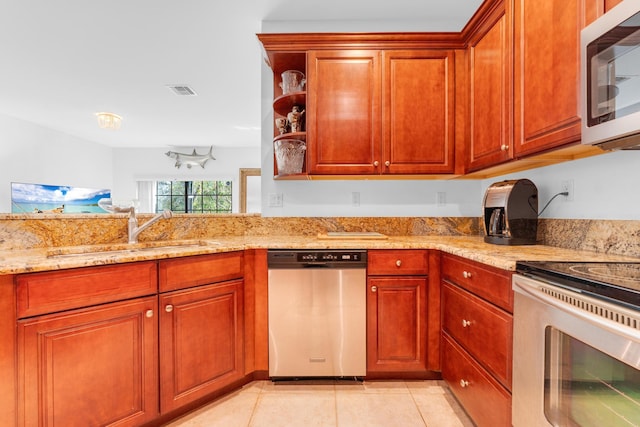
x=576, y=358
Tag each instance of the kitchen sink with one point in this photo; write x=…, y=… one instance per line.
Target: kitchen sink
x=125, y=248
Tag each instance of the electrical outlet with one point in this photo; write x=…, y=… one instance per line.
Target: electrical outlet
x=275, y=200
x=355, y=198
x=567, y=186
x=441, y=198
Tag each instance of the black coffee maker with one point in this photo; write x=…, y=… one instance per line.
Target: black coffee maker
x=510, y=213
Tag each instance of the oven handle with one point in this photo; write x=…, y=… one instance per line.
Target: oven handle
x=528, y=289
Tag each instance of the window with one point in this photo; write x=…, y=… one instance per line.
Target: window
x=194, y=196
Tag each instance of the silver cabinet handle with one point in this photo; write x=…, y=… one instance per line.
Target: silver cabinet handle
x=466, y=323
x=168, y=308
x=466, y=274
x=149, y=313
x=387, y=163
x=398, y=263
x=376, y=163
x=464, y=383
x=374, y=289
x=504, y=147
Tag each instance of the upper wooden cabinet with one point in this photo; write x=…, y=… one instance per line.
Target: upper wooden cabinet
x=491, y=83
x=376, y=104
x=547, y=74
x=418, y=111
x=609, y=4
x=369, y=112
x=343, y=112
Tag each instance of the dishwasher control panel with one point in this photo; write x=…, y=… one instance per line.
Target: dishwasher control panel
x=286, y=258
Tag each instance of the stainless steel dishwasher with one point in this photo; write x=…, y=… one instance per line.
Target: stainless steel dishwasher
x=317, y=313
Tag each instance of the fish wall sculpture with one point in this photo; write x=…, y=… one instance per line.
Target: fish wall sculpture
x=192, y=159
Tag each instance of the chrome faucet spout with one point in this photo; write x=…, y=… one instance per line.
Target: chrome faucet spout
x=134, y=230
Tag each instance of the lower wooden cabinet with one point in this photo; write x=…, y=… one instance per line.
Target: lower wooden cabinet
x=90, y=367
x=397, y=311
x=477, y=338
x=484, y=399
x=201, y=342
x=396, y=324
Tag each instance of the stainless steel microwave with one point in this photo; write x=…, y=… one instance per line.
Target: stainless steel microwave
x=610, y=78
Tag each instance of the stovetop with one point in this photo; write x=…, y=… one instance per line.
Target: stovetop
x=615, y=282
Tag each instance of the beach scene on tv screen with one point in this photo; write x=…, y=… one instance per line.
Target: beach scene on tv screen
x=42, y=198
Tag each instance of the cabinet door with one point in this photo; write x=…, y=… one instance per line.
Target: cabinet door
x=482, y=329
x=610, y=4
x=418, y=112
x=396, y=324
x=491, y=94
x=547, y=78
x=343, y=112
x=90, y=367
x=485, y=400
x=201, y=342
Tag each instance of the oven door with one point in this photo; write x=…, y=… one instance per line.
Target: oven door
x=573, y=366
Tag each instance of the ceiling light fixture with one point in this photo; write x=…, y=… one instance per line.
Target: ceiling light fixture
x=109, y=120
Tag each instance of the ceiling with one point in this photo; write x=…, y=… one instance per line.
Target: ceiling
x=65, y=60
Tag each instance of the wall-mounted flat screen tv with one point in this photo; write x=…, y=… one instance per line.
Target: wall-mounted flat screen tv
x=42, y=198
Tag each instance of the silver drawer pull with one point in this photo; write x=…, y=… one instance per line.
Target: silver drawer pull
x=398, y=263
x=464, y=383
x=149, y=313
x=466, y=274
x=374, y=288
x=466, y=323
x=168, y=308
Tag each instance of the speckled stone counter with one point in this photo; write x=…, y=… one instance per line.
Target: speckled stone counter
x=473, y=248
x=49, y=242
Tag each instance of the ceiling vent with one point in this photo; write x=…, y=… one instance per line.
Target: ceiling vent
x=182, y=90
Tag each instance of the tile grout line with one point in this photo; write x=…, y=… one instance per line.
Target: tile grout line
x=255, y=405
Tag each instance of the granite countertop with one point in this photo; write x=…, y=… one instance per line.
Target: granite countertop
x=470, y=247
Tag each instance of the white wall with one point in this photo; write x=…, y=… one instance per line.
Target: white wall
x=605, y=187
x=33, y=154
x=151, y=164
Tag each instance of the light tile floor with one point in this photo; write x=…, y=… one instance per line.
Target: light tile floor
x=332, y=403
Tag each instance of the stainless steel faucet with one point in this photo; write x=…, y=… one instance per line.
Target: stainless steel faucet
x=134, y=230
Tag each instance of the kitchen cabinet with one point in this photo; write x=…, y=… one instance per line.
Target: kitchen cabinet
x=201, y=327
x=88, y=366
x=376, y=104
x=491, y=87
x=477, y=338
x=343, y=112
x=609, y=4
x=368, y=112
x=8, y=353
x=547, y=77
x=397, y=311
x=284, y=103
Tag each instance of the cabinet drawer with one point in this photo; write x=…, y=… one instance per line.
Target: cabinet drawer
x=181, y=273
x=489, y=283
x=482, y=329
x=398, y=262
x=49, y=292
x=486, y=401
